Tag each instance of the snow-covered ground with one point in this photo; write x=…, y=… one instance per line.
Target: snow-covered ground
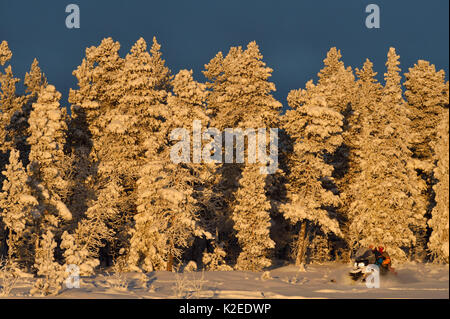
x=317, y=281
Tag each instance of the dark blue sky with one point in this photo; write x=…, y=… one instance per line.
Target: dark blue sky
x=293, y=36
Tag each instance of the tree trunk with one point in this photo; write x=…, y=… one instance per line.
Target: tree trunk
x=170, y=262
x=10, y=244
x=301, y=244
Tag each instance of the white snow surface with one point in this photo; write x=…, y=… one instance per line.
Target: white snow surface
x=423, y=281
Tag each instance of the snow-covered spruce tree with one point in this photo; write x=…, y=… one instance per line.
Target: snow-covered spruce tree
x=167, y=209
x=5, y=52
x=148, y=243
x=144, y=79
x=240, y=98
x=186, y=104
x=98, y=94
x=93, y=231
x=252, y=221
x=251, y=211
x=227, y=174
x=15, y=110
x=319, y=248
x=51, y=273
x=98, y=89
x=134, y=119
x=126, y=125
x=166, y=218
x=161, y=73
x=10, y=102
x=367, y=96
x=388, y=201
x=336, y=84
x=34, y=81
x=79, y=256
x=121, y=116
x=215, y=260
x=439, y=243
x=5, y=55
x=14, y=121
x=78, y=148
x=165, y=212
x=316, y=131
x=16, y=207
x=240, y=88
x=427, y=94
x=49, y=166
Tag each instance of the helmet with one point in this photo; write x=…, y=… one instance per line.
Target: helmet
x=380, y=249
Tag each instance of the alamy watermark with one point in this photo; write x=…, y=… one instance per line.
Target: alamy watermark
x=211, y=152
x=373, y=276
x=373, y=19
x=73, y=19
x=73, y=278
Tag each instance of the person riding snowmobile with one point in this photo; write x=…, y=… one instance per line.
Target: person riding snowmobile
x=382, y=258
x=370, y=256
x=363, y=257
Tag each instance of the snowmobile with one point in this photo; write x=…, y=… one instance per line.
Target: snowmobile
x=362, y=259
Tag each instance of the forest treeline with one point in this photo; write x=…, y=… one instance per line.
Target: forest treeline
x=360, y=163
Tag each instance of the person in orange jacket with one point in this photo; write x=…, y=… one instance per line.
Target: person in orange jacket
x=383, y=259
